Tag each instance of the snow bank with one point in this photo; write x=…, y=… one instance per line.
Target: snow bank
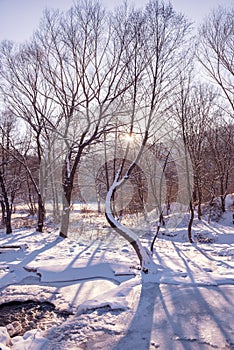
x=65, y=273
x=30, y=340
x=229, y=201
x=119, y=298
x=5, y=340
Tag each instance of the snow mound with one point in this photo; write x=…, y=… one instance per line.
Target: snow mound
x=30, y=340
x=118, y=298
x=229, y=201
x=5, y=340
x=65, y=273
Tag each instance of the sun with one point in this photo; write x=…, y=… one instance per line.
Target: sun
x=129, y=138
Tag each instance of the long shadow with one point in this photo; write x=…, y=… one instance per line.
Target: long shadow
x=194, y=319
x=91, y=258
x=215, y=229
x=228, y=298
x=204, y=306
x=79, y=282
x=138, y=334
x=31, y=256
x=227, y=280
x=101, y=257
x=18, y=236
x=201, y=251
x=175, y=326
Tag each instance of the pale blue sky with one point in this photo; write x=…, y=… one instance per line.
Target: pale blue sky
x=18, y=18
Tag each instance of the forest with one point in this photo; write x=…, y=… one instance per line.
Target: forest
x=92, y=84
x=117, y=180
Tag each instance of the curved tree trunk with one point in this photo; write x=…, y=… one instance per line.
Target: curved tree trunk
x=145, y=258
x=161, y=223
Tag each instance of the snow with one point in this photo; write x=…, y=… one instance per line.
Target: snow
x=185, y=303
x=30, y=340
x=63, y=273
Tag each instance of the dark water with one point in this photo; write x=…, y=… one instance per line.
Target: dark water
x=20, y=317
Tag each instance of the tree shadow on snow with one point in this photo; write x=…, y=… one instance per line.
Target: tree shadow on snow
x=138, y=334
x=176, y=315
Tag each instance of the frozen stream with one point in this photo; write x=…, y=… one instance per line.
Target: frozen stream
x=20, y=317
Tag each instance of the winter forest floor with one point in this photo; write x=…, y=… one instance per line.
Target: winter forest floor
x=94, y=280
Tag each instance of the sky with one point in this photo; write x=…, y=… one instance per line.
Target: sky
x=19, y=18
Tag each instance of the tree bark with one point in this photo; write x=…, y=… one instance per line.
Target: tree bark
x=67, y=191
x=199, y=211
x=41, y=214
x=8, y=209
x=3, y=209
x=199, y=195
x=161, y=222
x=223, y=197
x=190, y=222
x=8, y=220
x=145, y=259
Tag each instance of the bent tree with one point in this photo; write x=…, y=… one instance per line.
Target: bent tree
x=159, y=38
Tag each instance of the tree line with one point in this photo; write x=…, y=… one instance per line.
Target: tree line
x=88, y=77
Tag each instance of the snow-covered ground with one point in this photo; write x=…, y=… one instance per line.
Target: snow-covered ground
x=187, y=303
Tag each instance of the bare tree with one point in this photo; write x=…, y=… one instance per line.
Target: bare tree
x=26, y=96
x=159, y=38
x=10, y=170
x=215, y=54
x=197, y=123
x=216, y=47
x=221, y=145
x=86, y=67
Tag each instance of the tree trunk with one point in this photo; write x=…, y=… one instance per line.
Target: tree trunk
x=223, y=193
x=3, y=209
x=190, y=222
x=141, y=253
x=41, y=214
x=161, y=223
x=199, y=211
x=145, y=259
x=67, y=188
x=223, y=197
x=65, y=221
x=8, y=209
x=199, y=202
x=56, y=214
x=8, y=220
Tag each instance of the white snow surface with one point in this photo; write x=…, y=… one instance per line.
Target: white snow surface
x=187, y=303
